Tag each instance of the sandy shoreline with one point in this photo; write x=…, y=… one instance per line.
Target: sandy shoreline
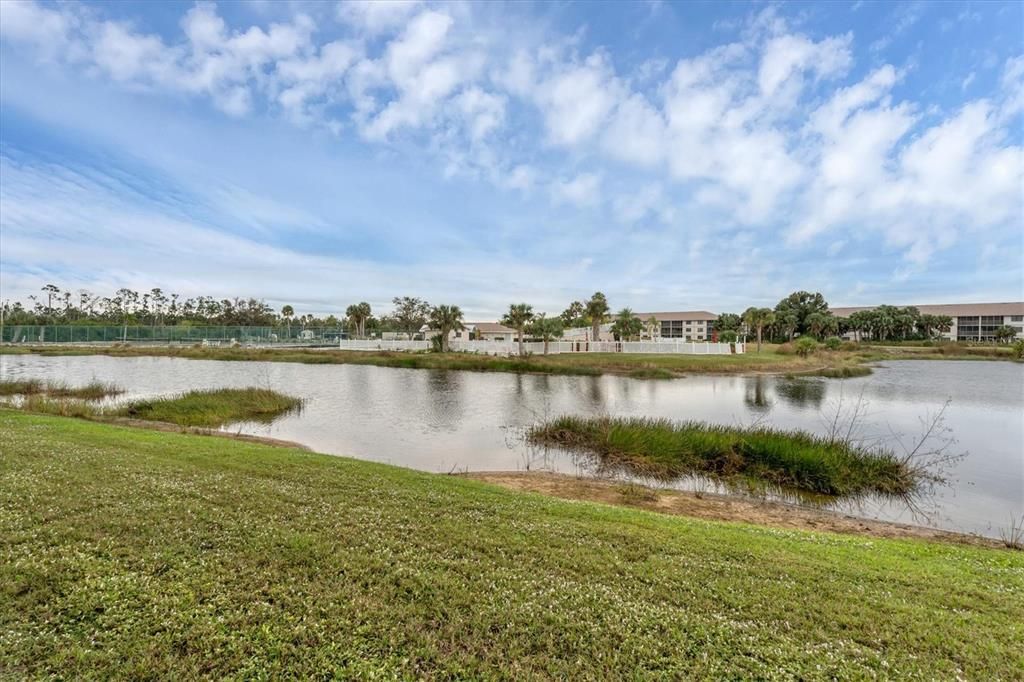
x=717, y=507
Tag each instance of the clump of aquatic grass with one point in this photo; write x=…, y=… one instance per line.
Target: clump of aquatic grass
x=1013, y=534
x=60, y=407
x=213, y=407
x=844, y=372
x=792, y=459
x=94, y=390
x=21, y=386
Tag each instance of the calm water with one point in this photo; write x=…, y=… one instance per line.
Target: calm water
x=442, y=421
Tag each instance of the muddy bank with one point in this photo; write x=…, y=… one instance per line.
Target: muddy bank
x=716, y=507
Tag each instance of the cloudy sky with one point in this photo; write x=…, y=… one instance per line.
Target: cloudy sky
x=674, y=156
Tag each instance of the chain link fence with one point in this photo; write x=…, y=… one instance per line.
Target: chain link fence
x=171, y=334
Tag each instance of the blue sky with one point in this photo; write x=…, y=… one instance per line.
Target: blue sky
x=672, y=155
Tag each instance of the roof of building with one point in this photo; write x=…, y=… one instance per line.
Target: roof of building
x=683, y=315
x=489, y=328
x=951, y=309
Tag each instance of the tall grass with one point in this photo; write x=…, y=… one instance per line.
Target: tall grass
x=212, y=408
x=94, y=390
x=793, y=459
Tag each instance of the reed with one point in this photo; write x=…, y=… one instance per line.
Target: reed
x=790, y=459
x=94, y=390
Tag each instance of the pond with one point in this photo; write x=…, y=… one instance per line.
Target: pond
x=445, y=421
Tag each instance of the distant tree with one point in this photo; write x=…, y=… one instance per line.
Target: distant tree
x=860, y=322
x=358, y=314
x=519, y=315
x=446, y=319
x=653, y=327
x=627, y=325
x=1005, y=333
x=50, y=290
x=546, y=328
x=820, y=324
x=758, y=319
x=728, y=322
x=596, y=309
x=288, y=312
x=575, y=315
x=800, y=305
x=410, y=314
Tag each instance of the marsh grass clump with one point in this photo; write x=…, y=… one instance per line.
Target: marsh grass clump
x=94, y=390
x=21, y=386
x=790, y=459
x=213, y=407
x=59, y=407
x=844, y=372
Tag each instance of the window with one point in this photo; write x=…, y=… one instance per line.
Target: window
x=1016, y=318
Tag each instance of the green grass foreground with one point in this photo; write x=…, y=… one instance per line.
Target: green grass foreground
x=793, y=459
x=136, y=554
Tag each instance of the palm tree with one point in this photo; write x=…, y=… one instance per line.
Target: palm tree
x=287, y=312
x=627, y=325
x=597, y=308
x=446, y=319
x=518, y=316
x=546, y=328
x=358, y=314
x=759, y=318
x=653, y=327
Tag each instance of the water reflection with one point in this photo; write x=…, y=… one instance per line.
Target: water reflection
x=445, y=420
x=801, y=392
x=755, y=394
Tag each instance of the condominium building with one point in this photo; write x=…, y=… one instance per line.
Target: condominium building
x=691, y=325
x=971, y=321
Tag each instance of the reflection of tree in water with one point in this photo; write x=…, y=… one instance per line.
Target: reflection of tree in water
x=590, y=390
x=801, y=392
x=755, y=395
x=444, y=402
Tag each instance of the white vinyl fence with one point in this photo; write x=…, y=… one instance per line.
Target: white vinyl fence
x=554, y=347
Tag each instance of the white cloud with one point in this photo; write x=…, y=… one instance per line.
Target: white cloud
x=376, y=16
x=737, y=130
x=576, y=100
x=789, y=56
x=483, y=110
x=582, y=190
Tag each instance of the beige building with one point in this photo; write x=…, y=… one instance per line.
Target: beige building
x=491, y=331
x=691, y=325
x=971, y=321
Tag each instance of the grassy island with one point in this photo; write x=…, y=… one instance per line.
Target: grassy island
x=791, y=459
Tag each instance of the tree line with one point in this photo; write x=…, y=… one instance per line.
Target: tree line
x=801, y=313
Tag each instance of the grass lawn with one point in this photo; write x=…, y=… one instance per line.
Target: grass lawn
x=137, y=554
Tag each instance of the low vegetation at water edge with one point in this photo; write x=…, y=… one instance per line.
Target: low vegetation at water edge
x=209, y=408
x=94, y=390
x=792, y=459
x=212, y=408
x=128, y=552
